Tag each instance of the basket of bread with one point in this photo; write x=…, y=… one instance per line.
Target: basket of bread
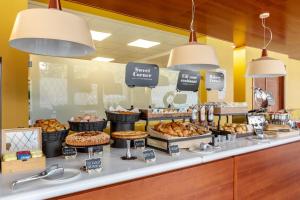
x=120, y=114
x=87, y=122
x=53, y=135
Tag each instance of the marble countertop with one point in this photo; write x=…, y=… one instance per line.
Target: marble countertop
x=116, y=170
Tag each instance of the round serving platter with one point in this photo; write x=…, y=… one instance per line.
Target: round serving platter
x=85, y=149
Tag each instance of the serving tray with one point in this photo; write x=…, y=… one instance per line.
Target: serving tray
x=147, y=114
x=163, y=141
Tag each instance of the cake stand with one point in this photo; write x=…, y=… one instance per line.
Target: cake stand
x=128, y=140
x=88, y=149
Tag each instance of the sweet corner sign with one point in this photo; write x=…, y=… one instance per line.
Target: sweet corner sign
x=141, y=75
x=214, y=81
x=188, y=81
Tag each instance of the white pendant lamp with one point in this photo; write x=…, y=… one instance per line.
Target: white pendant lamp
x=265, y=66
x=193, y=56
x=51, y=32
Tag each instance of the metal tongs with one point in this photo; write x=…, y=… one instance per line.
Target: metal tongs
x=53, y=170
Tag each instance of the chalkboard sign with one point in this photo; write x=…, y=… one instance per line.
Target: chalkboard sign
x=188, y=81
x=149, y=155
x=139, y=143
x=93, y=164
x=214, y=81
x=141, y=75
x=69, y=151
x=174, y=150
x=259, y=131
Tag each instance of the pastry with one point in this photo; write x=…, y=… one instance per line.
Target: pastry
x=129, y=134
x=88, y=138
x=180, y=129
x=85, y=118
x=49, y=125
x=236, y=128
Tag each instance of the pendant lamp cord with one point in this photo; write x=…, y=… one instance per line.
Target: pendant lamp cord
x=270, y=31
x=193, y=16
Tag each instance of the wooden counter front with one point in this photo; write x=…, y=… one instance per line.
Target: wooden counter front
x=272, y=173
x=269, y=174
x=208, y=181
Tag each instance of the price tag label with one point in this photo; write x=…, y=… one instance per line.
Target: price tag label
x=174, y=150
x=69, y=152
x=139, y=143
x=93, y=164
x=149, y=155
x=259, y=131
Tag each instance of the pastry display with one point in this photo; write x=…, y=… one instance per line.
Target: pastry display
x=276, y=127
x=85, y=118
x=123, y=115
x=87, y=122
x=180, y=129
x=121, y=110
x=129, y=134
x=88, y=138
x=237, y=128
x=49, y=125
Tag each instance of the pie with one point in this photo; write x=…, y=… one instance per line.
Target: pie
x=89, y=138
x=129, y=134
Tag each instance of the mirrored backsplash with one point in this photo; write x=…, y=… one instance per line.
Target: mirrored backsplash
x=63, y=87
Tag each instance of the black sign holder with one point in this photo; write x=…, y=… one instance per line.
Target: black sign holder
x=141, y=75
x=188, y=81
x=214, y=81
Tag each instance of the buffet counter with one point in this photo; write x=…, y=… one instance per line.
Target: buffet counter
x=116, y=171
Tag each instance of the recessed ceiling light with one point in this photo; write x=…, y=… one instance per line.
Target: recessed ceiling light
x=143, y=43
x=99, y=36
x=103, y=59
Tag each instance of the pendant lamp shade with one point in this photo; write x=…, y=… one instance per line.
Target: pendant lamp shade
x=193, y=57
x=51, y=32
x=266, y=67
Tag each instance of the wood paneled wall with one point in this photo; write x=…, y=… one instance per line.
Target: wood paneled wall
x=267, y=174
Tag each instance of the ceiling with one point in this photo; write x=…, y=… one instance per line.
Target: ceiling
x=116, y=46
x=231, y=20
